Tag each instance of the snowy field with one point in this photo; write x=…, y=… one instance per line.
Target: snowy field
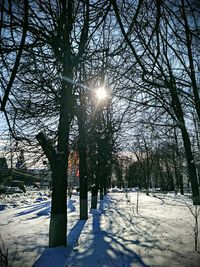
x=161, y=234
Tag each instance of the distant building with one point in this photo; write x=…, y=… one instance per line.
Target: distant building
x=9, y=177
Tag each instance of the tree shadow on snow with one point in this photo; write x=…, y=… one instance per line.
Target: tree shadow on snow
x=110, y=250
x=57, y=257
x=43, y=209
x=155, y=241
x=100, y=247
x=106, y=242
x=70, y=205
x=36, y=207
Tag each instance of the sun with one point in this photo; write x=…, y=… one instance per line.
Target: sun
x=101, y=93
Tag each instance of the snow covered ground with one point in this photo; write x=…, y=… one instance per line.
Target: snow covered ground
x=161, y=234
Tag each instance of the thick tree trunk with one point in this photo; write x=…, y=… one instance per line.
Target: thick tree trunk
x=58, y=221
x=105, y=190
x=94, y=197
x=186, y=141
x=101, y=193
x=191, y=166
x=83, y=184
x=58, y=163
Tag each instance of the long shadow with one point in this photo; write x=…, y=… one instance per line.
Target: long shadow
x=146, y=232
x=102, y=248
x=70, y=205
x=47, y=211
x=93, y=245
x=52, y=257
x=43, y=209
x=44, y=212
x=57, y=257
x=149, y=237
x=2, y=207
x=167, y=198
x=117, y=254
x=33, y=209
x=75, y=232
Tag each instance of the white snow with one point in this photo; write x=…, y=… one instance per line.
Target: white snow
x=161, y=234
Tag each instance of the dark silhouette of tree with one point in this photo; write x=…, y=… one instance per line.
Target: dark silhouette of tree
x=42, y=100
x=154, y=60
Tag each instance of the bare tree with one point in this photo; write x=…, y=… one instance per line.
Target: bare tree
x=153, y=59
x=42, y=100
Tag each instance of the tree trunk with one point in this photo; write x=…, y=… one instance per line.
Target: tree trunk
x=82, y=146
x=58, y=221
x=105, y=190
x=191, y=59
x=181, y=183
x=59, y=165
x=83, y=184
x=186, y=141
x=101, y=178
x=100, y=166
x=191, y=166
x=104, y=175
x=94, y=197
x=177, y=165
x=101, y=193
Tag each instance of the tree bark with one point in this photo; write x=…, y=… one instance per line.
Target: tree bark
x=58, y=221
x=58, y=163
x=82, y=147
x=83, y=182
x=191, y=166
x=187, y=143
x=94, y=197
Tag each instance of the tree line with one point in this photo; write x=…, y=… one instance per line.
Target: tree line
x=54, y=54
